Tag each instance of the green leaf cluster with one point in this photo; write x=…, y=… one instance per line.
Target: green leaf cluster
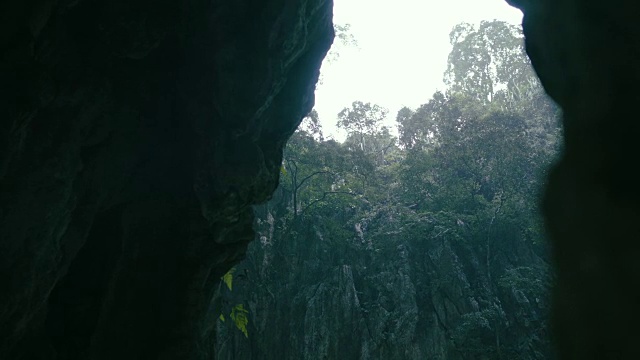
x=239, y=317
x=238, y=313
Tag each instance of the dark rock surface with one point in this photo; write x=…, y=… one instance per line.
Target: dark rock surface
x=134, y=138
x=586, y=53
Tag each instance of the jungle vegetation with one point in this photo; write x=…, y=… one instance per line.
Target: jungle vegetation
x=423, y=241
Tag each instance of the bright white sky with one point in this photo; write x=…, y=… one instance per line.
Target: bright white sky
x=402, y=52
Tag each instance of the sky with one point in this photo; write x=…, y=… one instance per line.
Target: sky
x=401, y=55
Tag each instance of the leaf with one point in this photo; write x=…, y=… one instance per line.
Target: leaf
x=228, y=278
x=283, y=170
x=221, y=317
x=239, y=317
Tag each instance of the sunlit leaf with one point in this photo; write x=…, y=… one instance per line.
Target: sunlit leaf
x=228, y=278
x=239, y=317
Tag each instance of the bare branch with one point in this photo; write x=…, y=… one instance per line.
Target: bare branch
x=324, y=196
x=310, y=176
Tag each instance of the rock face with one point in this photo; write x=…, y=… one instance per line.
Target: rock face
x=320, y=295
x=586, y=54
x=134, y=138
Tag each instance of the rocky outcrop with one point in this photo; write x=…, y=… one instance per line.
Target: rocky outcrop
x=134, y=137
x=322, y=295
x=586, y=54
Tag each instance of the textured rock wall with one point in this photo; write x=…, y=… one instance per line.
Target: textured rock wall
x=586, y=53
x=134, y=136
x=328, y=295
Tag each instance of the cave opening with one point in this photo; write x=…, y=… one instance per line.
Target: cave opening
x=181, y=111
x=406, y=223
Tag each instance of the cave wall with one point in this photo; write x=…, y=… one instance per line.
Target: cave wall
x=586, y=53
x=134, y=138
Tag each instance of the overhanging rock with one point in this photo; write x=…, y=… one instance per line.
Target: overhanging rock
x=134, y=137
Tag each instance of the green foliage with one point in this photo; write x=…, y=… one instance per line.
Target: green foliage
x=532, y=282
x=462, y=178
x=489, y=63
x=476, y=334
x=344, y=35
x=239, y=317
x=362, y=118
x=238, y=313
x=228, y=278
x=344, y=39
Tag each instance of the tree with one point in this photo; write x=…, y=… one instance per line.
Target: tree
x=343, y=39
x=489, y=63
x=362, y=120
x=311, y=125
x=368, y=140
x=305, y=166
